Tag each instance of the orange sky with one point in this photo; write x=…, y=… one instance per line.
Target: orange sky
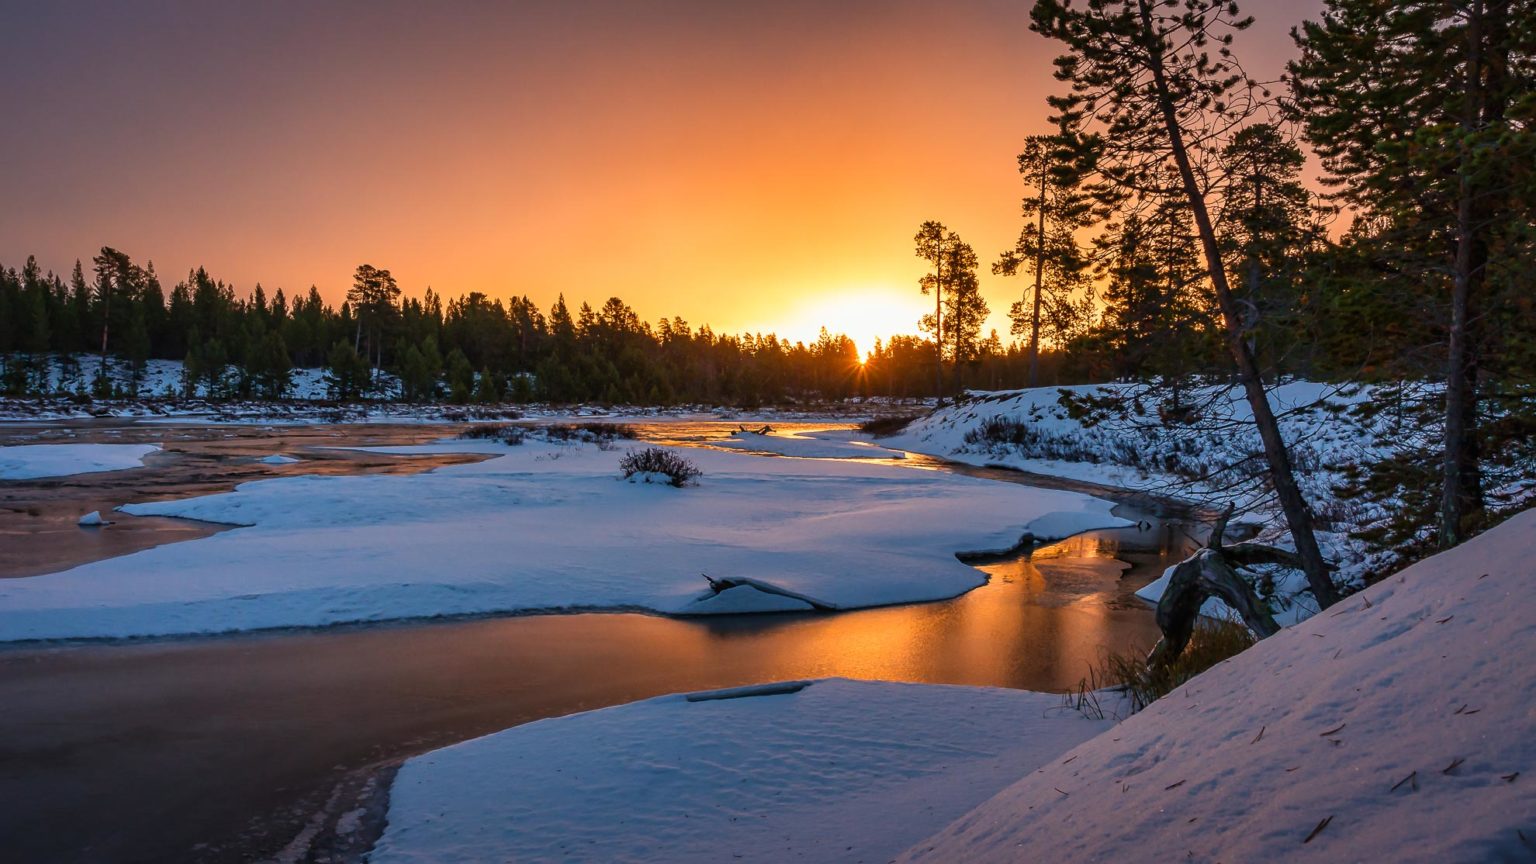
x=751, y=166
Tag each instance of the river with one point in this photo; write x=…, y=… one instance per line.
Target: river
x=227, y=749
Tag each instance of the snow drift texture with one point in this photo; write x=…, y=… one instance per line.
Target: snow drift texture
x=836, y=771
x=541, y=528
x=1402, y=716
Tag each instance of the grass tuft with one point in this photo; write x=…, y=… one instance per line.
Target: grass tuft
x=1212, y=642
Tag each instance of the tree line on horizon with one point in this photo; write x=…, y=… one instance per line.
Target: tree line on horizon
x=57, y=336
x=1210, y=259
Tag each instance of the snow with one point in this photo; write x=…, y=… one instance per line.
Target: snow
x=277, y=459
x=1214, y=458
x=829, y=444
x=92, y=520
x=540, y=528
x=31, y=461
x=1403, y=717
x=830, y=770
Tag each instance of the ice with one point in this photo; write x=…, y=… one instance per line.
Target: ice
x=831, y=444
x=32, y=461
x=540, y=528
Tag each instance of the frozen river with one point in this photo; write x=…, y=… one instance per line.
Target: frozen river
x=228, y=748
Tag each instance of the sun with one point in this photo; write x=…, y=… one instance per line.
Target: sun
x=863, y=314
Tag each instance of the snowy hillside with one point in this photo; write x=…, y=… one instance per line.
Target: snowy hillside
x=1213, y=458
x=1396, y=727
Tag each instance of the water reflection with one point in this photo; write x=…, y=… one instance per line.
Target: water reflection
x=1041, y=620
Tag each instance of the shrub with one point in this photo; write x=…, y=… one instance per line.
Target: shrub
x=590, y=432
x=656, y=462
x=1212, y=642
x=1001, y=429
x=882, y=426
x=508, y=435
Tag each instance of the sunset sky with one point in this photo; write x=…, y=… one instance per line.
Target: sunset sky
x=754, y=166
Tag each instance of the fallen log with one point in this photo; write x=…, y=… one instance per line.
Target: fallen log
x=1212, y=572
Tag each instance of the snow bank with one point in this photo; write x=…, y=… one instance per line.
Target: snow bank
x=544, y=527
x=831, y=444
x=277, y=459
x=1212, y=458
x=31, y=461
x=832, y=770
x=1396, y=727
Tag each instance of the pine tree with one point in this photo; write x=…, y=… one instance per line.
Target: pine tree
x=347, y=374
x=1422, y=113
x=1054, y=210
x=1142, y=75
x=952, y=282
x=1271, y=226
x=461, y=377
x=373, y=295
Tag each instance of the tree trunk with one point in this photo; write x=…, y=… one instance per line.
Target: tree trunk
x=1461, y=492
x=1297, y=516
x=1204, y=574
x=1034, y=323
x=938, y=325
x=1211, y=572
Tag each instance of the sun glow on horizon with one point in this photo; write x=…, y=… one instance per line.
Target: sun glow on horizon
x=863, y=314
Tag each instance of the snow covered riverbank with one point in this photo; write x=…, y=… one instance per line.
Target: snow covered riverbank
x=545, y=527
x=1394, y=728
x=1212, y=456
x=831, y=771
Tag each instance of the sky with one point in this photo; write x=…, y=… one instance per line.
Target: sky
x=754, y=166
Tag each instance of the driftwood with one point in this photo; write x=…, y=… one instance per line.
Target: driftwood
x=726, y=583
x=1212, y=572
x=763, y=431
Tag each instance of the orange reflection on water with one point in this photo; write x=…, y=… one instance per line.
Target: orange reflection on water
x=1042, y=620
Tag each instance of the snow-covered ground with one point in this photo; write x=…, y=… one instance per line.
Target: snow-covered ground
x=164, y=378
x=1396, y=727
x=161, y=399
x=31, y=461
x=546, y=527
x=834, y=771
x=829, y=444
x=1393, y=728
x=1214, y=457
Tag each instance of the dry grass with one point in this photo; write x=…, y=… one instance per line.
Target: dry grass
x=1212, y=642
x=883, y=426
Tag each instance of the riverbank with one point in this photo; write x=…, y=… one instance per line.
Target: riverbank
x=252, y=739
x=1392, y=728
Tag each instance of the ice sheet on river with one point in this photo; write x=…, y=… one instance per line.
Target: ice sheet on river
x=834, y=771
x=544, y=527
x=31, y=461
x=824, y=444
